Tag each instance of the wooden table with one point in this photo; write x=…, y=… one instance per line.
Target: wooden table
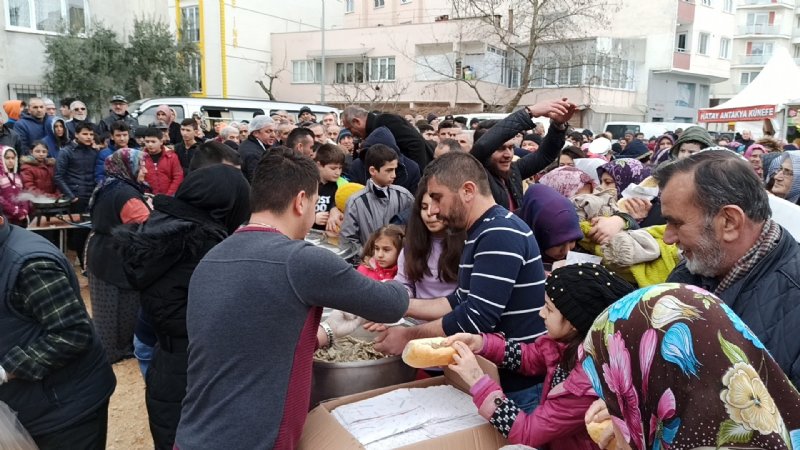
x=62, y=224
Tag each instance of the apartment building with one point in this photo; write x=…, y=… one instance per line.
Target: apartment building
x=26, y=23
x=762, y=26
x=656, y=60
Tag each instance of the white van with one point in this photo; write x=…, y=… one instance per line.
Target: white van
x=545, y=121
x=650, y=129
x=218, y=109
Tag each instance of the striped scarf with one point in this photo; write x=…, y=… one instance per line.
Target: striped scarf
x=770, y=235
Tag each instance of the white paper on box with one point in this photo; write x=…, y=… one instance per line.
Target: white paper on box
x=578, y=257
x=405, y=416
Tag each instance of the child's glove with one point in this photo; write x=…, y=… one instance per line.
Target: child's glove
x=343, y=323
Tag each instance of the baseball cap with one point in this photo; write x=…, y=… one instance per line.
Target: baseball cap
x=118, y=99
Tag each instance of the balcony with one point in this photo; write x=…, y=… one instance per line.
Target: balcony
x=681, y=60
x=766, y=3
x=765, y=30
x=685, y=12
x=752, y=60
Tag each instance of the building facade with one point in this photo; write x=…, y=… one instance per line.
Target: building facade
x=27, y=22
x=233, y=39
x=762, y=26
x=656, y=61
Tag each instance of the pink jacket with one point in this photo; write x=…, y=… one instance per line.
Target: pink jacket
x=557, y=423
x=378, y=273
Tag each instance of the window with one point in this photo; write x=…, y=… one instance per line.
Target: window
x=379, y=3
x=681, y=44
x=195, y=74
x=706, y=2
x=748, y=77
x=51, y=16
x=757, y=22
x=796, y=50
x=727, y=6
x=381, y=69
x=685, y=95
x=190, y=23
x=350, y=72
x=349, y=6
x=760, y=48
x=306, y=71
x=724, y=48
x=702, y=44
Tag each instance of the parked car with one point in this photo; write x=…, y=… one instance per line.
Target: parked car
x=649, y=129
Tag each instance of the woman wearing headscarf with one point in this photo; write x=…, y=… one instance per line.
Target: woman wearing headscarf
x=118, y=200
x=568, y=181
x=554, y=222
x=167, y=115
x=676, y=368
x=620, y=173
x=753, y=155
x=159, y=259
x=786, y=176
x=664, y=144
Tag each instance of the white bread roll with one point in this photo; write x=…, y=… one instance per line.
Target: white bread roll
x=428, y=352
x=598, y=429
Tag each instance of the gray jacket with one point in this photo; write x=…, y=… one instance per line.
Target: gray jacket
x=365, y=212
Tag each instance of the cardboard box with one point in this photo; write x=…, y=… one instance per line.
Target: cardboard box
x=322, y=430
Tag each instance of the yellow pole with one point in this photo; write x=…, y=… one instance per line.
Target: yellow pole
x=201, y=46
x=222, y=49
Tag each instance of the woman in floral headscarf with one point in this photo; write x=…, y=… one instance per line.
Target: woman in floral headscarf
x=118, y=200
x=677, y=369
x=568, y=181
x=620, y=173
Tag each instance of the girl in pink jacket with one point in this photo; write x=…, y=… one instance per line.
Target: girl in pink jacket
x=379, y=259
x=575, y=296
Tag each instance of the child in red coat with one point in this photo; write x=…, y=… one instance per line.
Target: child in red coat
x=164, y=170
x=379, y=260
x=38, y=171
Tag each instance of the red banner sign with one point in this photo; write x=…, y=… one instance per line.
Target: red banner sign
x=745, y=114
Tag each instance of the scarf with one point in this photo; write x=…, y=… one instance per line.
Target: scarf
x=567, y=180
x=770, y=235
x=678, y=369
x=121, y=167
x=624, y=172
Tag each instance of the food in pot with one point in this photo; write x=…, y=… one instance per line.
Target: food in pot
x=348, y=349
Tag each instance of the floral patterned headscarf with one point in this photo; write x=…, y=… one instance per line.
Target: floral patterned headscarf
x=567, y=180
x=624, y=171
x=678, y=369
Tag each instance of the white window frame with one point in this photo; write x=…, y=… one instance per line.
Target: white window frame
x=703, y=43
x=315, y=68
x=389, y=61
x=196, y=16
x=725, y=48
x=707, y=3
x=196, y=73
x=32, y=16
x=349, y=69
x=379, y=3
x=727, y=6
x=750, y=77
x=685, y=42
x=349, y=6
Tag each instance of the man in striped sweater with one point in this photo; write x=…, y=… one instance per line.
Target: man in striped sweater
x=500, y=277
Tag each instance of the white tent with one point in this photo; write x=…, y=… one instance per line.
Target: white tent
x=764, y=97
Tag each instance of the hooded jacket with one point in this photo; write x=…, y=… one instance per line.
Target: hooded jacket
x=692, y=134
x=165, y=176
x=409, y=140
x=13, y=109
x=9, y=137
x=39, y=177
x=29, y=129
x=10, y=188
x=54, y=145
x=408, y=173
x=523, y=168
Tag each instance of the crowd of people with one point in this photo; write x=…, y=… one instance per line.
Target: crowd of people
x=679, y=330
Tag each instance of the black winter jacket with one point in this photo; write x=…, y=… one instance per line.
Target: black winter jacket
x=408, y=138
x=105, y=125
x=251, y=150
x=75, y=171
x=523, y=168
x=768, y=301
x=10, y=138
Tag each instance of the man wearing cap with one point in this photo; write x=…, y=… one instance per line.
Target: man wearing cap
x=262, y=136
x=305, y=115
x=119, y=111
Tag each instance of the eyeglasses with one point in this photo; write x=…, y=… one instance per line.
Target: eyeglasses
x=79, y=109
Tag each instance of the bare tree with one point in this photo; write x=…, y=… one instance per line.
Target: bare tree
x=371, y=95
x=545, y=34
x=271, y=75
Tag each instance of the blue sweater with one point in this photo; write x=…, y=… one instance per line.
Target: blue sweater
x=500, y=285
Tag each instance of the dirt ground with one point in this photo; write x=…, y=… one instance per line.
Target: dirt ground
x=127, y=415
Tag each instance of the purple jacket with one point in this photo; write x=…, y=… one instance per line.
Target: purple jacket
x=430, y=286
x=557, y=423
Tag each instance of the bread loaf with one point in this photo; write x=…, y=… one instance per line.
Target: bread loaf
x=428, y=352
x=598, y=429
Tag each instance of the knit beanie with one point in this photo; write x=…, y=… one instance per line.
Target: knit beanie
x=582, y=291
x=13, y=109
x=344, y=192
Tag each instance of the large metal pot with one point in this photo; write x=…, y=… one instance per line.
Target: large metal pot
x=349, y=251
x=333, y=380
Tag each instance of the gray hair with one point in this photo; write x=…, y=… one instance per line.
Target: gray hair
x=260, y=122
x=76, y=103
x=227, y=131
x=721, y=178
x=351, y=112
x=48, y=102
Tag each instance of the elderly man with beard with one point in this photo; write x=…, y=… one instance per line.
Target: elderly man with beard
x=500, y=276
x=718, y=214
x=495, y=149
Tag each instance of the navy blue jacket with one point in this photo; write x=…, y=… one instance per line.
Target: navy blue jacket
x=75, y=171
x=29, y=130
x=408, y=173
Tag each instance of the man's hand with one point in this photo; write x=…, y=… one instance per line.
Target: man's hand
x=557, y=110
x=473, y=341
x=321, y=218
x=604, y=228
x=393, y=340
x=638, y=208
x=466, y=365
x=375, y=327
x=335, y=219
x=343, y=323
